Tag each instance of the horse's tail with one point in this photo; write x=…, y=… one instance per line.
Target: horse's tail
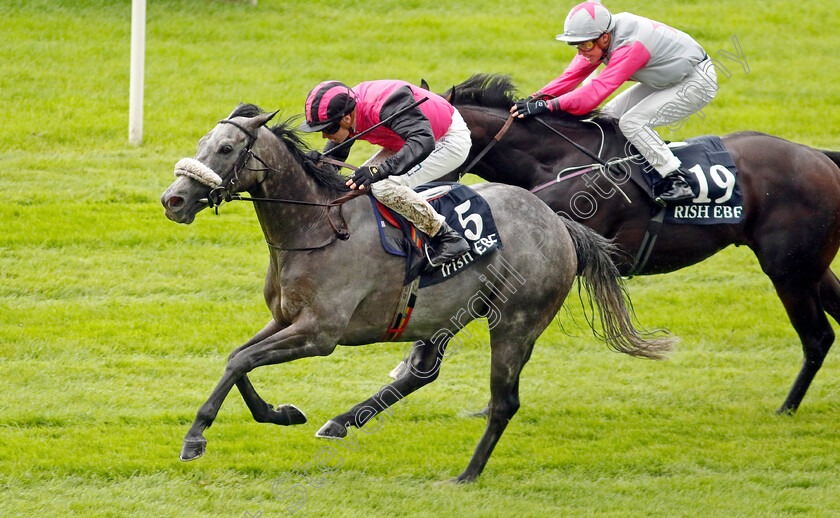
x=602, y=281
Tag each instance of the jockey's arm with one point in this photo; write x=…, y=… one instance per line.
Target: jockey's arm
x=623, y=63
x=579, y=69
x=342, y=153
x=413, y=127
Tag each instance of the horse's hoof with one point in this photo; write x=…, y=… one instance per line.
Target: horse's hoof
x=193, y=449
x=332, y=430
x=290, y=415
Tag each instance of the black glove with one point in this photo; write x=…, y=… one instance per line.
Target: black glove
x=529, y=108
x=366, y=175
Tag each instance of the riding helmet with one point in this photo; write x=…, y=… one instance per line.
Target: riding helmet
x=327, y=103
x=586, y=22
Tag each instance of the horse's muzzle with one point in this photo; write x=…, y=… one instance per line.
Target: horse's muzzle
x=181, y=201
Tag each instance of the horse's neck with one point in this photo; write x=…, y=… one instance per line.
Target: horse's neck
x=291, y=225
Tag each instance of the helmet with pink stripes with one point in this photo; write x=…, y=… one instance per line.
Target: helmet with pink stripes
x=586, y=22
x=326, y=104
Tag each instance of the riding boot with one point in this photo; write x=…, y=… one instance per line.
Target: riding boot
x=450, y=245
x=677, y=189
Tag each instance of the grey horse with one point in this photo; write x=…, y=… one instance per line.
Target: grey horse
x=329, y=281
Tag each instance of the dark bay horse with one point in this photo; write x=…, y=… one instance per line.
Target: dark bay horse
x=325, y=288
x=791, y=205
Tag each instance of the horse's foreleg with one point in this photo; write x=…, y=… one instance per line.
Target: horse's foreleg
x=284, y=415
x=290, y=343
x=422, y=368
x=260, y=409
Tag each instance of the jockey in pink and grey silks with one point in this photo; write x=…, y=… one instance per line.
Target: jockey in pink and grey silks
x=674, y=74
x=420, y=144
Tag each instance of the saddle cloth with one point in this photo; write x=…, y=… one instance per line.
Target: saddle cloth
x=713, y=179
x=465, y=211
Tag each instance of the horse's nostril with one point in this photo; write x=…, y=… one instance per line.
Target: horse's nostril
x=175, y=202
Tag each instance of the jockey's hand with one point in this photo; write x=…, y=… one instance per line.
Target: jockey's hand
x=314, y=155
x=364, y=176
x=528, y=108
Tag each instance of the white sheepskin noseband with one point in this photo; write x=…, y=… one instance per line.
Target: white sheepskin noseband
x=198, y=171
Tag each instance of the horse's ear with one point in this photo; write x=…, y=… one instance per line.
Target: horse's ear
x=240, y=105
x=424, y=85
x=451, y=97
x=261, y=119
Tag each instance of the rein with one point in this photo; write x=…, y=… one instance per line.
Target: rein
x=489, y=145
x=605, y=166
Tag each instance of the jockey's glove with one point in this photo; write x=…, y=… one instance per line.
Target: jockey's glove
x=529, y=108
x=366, y=175
x=314, y=155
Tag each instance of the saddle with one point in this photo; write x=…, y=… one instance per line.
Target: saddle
x=714, y=182
x=465, y=211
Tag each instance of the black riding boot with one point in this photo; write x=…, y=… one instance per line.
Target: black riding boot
x=450, y=245
x=677, y=190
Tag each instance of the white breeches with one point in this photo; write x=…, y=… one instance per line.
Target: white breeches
x=641, y=108
x=397, y=192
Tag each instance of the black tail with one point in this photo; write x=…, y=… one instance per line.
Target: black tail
x=600, y=277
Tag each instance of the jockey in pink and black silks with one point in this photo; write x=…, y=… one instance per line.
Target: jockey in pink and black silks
x=675, y=78
x=420, y=145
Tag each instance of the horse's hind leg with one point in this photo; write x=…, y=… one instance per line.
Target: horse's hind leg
x=830, y=294
x=807, y=314
x=423, y=368
x=507, y=360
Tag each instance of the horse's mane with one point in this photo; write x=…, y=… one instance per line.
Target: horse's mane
x=286, y=131
x=498, y=91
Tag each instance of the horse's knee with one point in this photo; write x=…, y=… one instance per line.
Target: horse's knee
x=237, y=365
x=505, y=407
x=425, y=360
x=424, y=371
x=233, y=353
x=630, y=126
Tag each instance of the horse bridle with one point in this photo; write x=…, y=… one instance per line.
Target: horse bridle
x=223, y=193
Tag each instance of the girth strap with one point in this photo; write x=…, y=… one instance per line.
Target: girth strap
x=648, y=241
x=408, y=297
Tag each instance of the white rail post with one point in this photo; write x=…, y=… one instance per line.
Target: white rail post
x=138, y=58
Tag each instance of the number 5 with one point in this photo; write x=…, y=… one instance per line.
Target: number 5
x=472, y=235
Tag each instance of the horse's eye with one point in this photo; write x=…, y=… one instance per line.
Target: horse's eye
x=226, y=149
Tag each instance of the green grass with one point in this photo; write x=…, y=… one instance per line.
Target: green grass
x=115, y=323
